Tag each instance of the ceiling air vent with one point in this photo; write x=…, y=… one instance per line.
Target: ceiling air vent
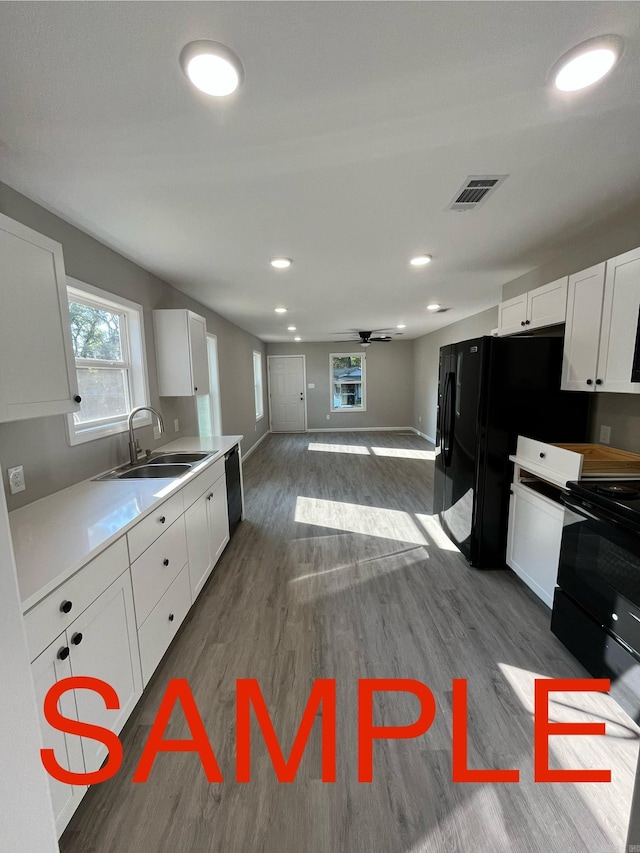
x=475, y=191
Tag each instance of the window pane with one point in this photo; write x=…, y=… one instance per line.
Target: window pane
x=95, y=332
x=347, y=367
x=104, y=392
x=257, y=384
x=347, y=395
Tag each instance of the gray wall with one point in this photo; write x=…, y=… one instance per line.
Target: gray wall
x=41, y=444
x=389, y=378
x=426, y=355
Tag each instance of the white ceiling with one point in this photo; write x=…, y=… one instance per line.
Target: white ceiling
x=356, y=124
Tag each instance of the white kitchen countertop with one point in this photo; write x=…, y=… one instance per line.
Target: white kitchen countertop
x=57, y=535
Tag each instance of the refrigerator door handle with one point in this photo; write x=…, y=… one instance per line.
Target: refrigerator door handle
x=448, y=420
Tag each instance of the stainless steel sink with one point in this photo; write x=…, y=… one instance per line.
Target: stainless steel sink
x=144, y=472
x=168, y=458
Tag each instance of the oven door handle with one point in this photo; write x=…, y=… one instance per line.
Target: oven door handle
x=597, y=513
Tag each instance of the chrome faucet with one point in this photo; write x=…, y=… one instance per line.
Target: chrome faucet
x=133, y=450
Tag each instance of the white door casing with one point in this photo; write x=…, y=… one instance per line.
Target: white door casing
x=287, y=393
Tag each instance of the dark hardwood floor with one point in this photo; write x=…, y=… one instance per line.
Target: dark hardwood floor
x=339, y=572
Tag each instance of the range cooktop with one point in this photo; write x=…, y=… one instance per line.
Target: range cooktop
x=616, y=496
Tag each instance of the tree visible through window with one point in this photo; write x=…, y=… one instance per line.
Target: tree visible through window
x=347, y=381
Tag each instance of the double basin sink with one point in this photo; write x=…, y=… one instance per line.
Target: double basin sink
x=163, y=466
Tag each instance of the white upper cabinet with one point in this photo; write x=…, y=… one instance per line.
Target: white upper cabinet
x=582, y=332
x=181, y=353
x=544, y=306
x=602, y=321
x=620, y=317
x=37, y=367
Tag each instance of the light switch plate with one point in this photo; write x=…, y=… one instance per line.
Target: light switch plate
x=605, y=435
x=311, y=385
x=328, y=417
x=16, y=479
x=176, y=425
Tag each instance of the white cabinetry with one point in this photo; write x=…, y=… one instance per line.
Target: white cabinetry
x=37, y=367
x=533, y=539
x=602, y=319
x=544, y=306
x=101, y=643
x=181, y=353
x=207, y=529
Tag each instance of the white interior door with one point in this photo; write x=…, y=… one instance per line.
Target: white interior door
x=287, y=393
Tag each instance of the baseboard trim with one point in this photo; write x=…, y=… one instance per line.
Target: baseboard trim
x=423, y=435
x=253, y=447
x=363, y=429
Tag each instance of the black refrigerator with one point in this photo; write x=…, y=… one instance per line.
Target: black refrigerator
x=491, y=390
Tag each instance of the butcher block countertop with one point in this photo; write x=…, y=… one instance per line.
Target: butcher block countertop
x=601, y=459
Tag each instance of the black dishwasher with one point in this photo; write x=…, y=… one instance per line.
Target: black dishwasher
x=234, y=490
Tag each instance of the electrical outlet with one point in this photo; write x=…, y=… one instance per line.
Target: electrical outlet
x=419, y=419
x=328, y=417
x=16, y=480
x=156, y=432
x=605, y=435
x=176, y=425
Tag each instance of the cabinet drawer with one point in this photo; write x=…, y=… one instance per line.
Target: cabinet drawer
x=162, y=624
x=153, y=572
x=46, y=620
x=143, y=534
x=202, y=482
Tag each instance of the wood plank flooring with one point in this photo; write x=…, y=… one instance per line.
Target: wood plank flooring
x=339, y=572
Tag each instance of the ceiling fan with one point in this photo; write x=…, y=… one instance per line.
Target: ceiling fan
x=368, y=338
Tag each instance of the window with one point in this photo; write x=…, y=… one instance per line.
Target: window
x=209, y=413
x=347, y=380
x=108, y=344
x=257, y=384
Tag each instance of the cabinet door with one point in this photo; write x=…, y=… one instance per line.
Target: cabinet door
x=582, y=333
x=512, y=315
x=47, y=669
x=620, y=316
x=37, y=367
x=198, y=543
x=104, y=644
x=218, y=519
x=547, y=305
x=533, y=540
x=199, y=360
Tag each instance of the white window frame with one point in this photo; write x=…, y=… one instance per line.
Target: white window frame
x=134, y=340
x=362, y=383
x=258, y=383
x=209, y=405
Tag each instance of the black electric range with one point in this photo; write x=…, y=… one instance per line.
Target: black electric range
x=596, y=607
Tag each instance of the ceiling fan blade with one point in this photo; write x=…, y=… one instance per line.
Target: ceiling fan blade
x=381, y=340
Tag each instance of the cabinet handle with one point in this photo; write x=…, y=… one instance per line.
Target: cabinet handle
x=522, y=323
x=165, y=562
x=77, y=398
x=63, y=653
x=66, y=606
x=76, y=639
x=209, y=496
x=528, y=322
x=171, y=617
x=162, y=519
x=589, y=381
x=195, y=388
x=598, y=381
x=542, y=455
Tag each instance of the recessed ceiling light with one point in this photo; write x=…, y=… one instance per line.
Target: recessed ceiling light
x=211, y=67
x=281, y=310
x=401, y=326
x=291, y=328
x=433, y=307
x=587, y=63
x=280, y=263
x=297, y=338
x=420, y=260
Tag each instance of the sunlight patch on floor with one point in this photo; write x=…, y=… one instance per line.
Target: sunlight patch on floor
x=357, y=518
x=404, y=453
x=357, y=449
x=435, y=532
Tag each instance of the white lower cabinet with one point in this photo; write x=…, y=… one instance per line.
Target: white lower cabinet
x=533, y=540
x=101, y=643
x=207, y=523
x=160, y=627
